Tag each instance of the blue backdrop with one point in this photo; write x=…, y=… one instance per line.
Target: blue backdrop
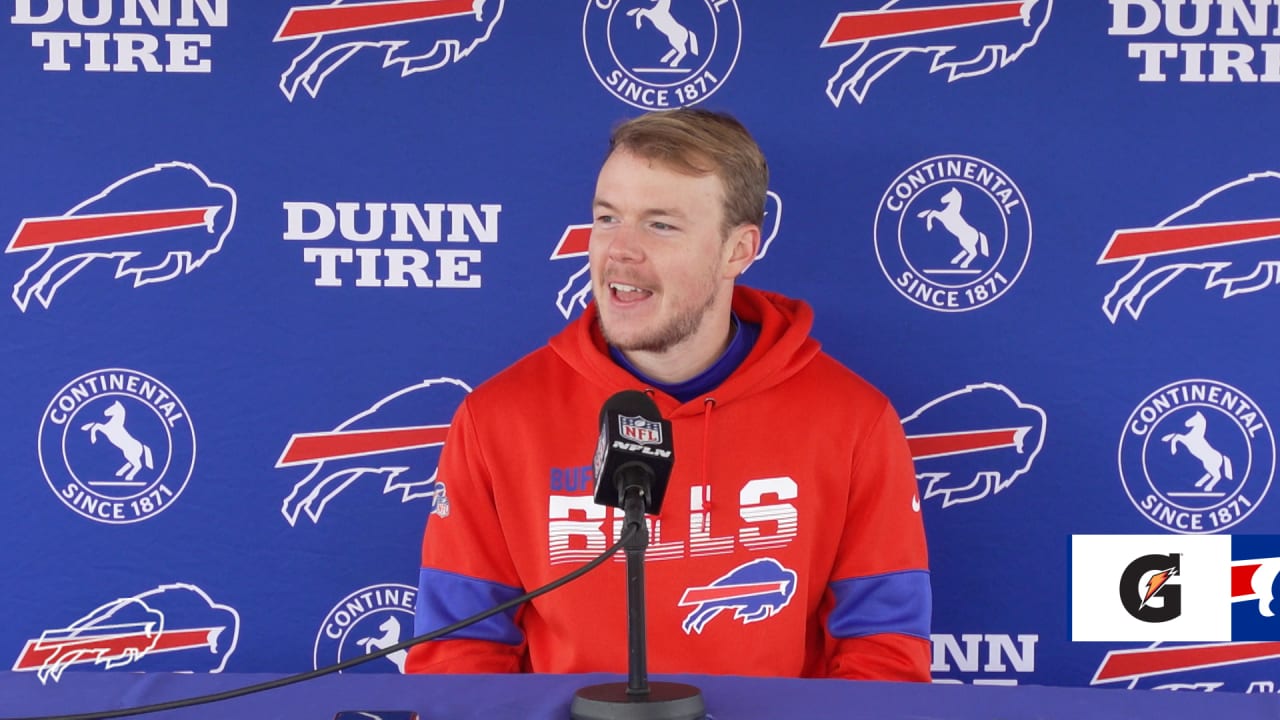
x=259, y=251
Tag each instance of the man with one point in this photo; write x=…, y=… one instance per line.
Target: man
x=796, y=471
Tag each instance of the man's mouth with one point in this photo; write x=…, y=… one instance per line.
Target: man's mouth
x=628, y=293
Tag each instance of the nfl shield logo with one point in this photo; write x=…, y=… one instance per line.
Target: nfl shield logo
x=640, y=430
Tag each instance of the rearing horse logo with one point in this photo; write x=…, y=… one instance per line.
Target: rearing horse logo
x=681, y=38
x=1235, y=460
x=391, y=632
x=1216, y=465
x=972, y=241
x=135, y=453
x=680, y=57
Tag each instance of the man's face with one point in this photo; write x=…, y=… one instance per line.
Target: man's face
x=659, y=260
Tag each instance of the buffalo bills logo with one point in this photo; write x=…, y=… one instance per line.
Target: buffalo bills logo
x=387, y=441
x=966, y=39
x=575, y=241
x=1255, y=565
x=173, y=628
x=755, y=591
x=1228, y=235
x=156, y=224
x=1203, y=667
x=417, y=35
x=973, y=442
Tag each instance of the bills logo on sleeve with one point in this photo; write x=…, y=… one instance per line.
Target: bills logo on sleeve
x=1225, y=240
x=156, y=224
x=965, y=38
x=387, y=440
x=172, y=628
x=973, y=442
x=417, y=35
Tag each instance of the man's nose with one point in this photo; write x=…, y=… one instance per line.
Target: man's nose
x=624, y=243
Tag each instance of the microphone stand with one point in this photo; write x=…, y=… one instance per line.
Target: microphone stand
x=637, y=699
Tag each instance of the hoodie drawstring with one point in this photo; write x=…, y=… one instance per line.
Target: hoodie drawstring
x=708, y=404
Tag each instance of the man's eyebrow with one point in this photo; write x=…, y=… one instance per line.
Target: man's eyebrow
x=602, y=204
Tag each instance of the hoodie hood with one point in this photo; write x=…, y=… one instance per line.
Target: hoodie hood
x=783, y=349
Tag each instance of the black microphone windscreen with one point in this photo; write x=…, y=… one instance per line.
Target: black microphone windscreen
x=635, y=443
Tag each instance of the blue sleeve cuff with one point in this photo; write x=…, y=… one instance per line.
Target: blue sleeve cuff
x=445, y=598
x=900, y=602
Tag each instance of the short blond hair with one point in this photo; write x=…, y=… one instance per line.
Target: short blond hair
x=703, y=142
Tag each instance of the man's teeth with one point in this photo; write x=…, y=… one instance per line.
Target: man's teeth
x=620, y=287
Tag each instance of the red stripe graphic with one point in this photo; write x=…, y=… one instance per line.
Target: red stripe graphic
x=1242, y=579
x=38, y=653
x=573, y=243
x=1127, y=664
x=699, y=595
x=44, y=232
x=1145, y=242
x=315, y=447
x=851, y=27
x=928, y=446
x=321, y=19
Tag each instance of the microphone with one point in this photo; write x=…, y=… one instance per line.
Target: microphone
x=632, y=466
x=634, y=452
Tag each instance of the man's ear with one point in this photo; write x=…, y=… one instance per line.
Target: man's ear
x=741, y=248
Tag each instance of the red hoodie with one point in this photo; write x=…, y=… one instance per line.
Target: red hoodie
x=790, y=541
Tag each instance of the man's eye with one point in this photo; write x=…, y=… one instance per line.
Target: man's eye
x=663, y=226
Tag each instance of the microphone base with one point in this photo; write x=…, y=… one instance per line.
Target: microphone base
x=665, y=701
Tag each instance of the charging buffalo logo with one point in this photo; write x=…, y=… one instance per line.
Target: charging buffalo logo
x=1255, y=566
x=754, y=591
x=368, y=620
x=172, y=628
x=1187, y=666
x=973, y=442
x=1228, y=234
x=386, y=440
x=1197, y=456
x=1253, y=580
x=417, y=35
x=156, y=224
x=952, y=233
x=656, y=54
x=117, y=446
x=576, y=240
x=966, y=39
x=1149, y=589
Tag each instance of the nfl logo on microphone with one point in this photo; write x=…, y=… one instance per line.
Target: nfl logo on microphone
x=1177, y=588
x=638, y=429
